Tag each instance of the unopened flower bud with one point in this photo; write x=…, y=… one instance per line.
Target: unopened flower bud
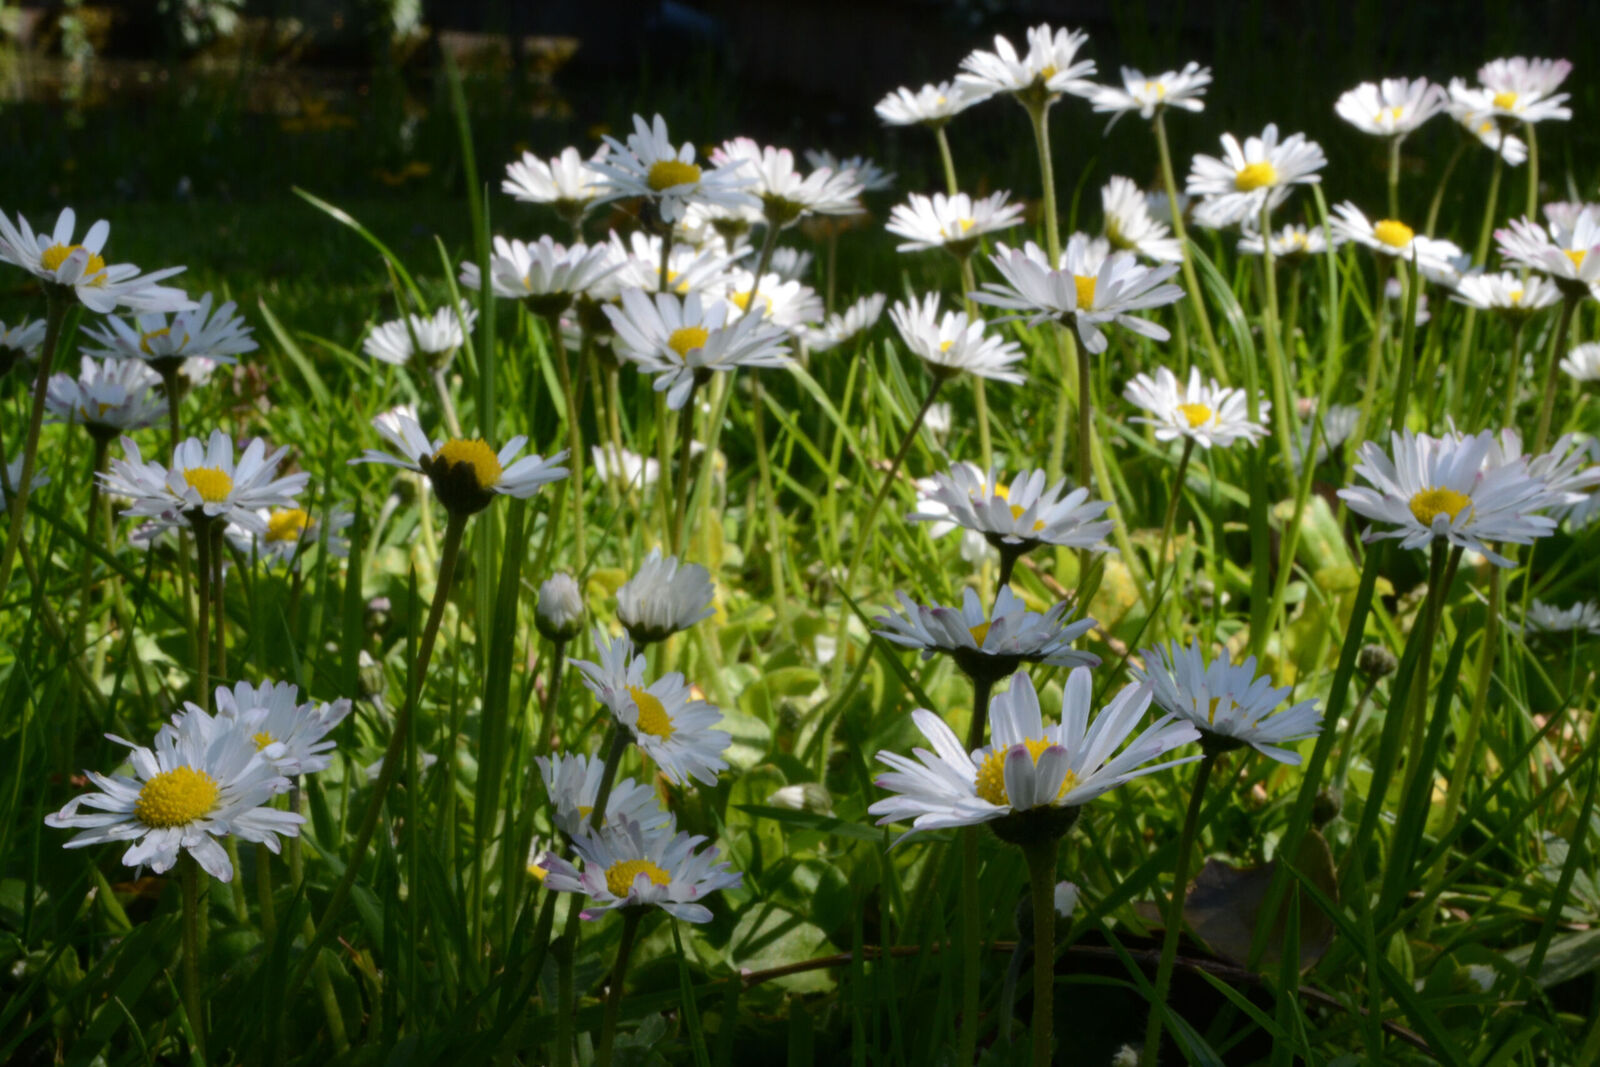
x=1326, y=807
x=370, y=677
x=1375, y=661
x=560, y=613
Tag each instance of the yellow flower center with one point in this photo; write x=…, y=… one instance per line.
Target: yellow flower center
x=1255, y=176
x=653, y=718
x=686, y=339
x=1505, y=101
x=1392, y=233
x=945, y=346
x=1047, y=73
x=537, y=871
x=1431, y=503
x=212, y=484
x=1197, y=414
x=476, y=454
x=1016, y=513
x=175, y=798
x=620, y=876
x=1487, y=127
x=1211, y=713
x=1084, y=284
x=666, y=173
x=262, y=739
x=940, y=101
x=287, y=524
x=146, y=338
x=742, y=300
x=1577, y=256
x=966, y=224
x=52, y=258
x=992, y=775
x=1156, y=89
x=1393, y=113
x=979, y=632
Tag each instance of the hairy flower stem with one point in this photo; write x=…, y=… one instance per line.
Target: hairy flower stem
x=1464, y=349
x=1552, y=371
x=574, y=439
x=1174, y=917
x=947, y=159
x=202, y=630
x=1532, y=138
x=1172, y=512
x=608, y=1022
x=194, y=1004
x=92, y=529
x=1442, y=564
x=56, y=305
x=1191, y=282
x=1394, y=175
x=566, y=994
x=1041, y=857
x=971, y=940
x=979, y=393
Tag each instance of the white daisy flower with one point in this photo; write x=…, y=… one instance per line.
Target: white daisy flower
x=1506, y=294
x=1258, y=174
x=19, y=342
x=789, y=264
x=873, y=178
x=1435, y=487
x=549, y=276
x=781, y=301
x=1568, y=471
x=950, y=222
x=1202, y=410
x=1021, y=515
x=1338, y=423
x=1066, y=899
x=840, y=327
x=560, y=612
x=1582, y=617
x=626, y=468
x=170, y=344
x=56, y=260
x=931, y=105
x=1087, y=287
x=1293, y=242
x=573, y=783
x=649, y=166
x=195, y=786
x=1516, y=90
x=1561, y=250
x=466, y=473
x=298, y=729
x=664, y=597
x=986, y=646
x=1027, y=766
x=13, y=472
x=1390, y=237
x=1391, y=108
x=204, y=484
x=108, y=398
x=568, y=183
x=1507, y=145
x=689, y=270
x=952, y=343
x=1130, y=227
x=1049, y=68
x=1582, y=362
x=785, y=195
x=434, y=338
x=1147, y=94
x=629, y=866
x=666, y=721
x=1226, y=702
x=975, y=548
x=682, y=341
x=287, y=533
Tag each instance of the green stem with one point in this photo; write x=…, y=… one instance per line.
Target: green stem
x=864, y=534
x=608, y=776
x=1552, y=373
x=194, y=1004
x=56, y=306
x=1174, y=918
x=773, y=519
x=1039, y=116
x=1394, y=176
x=1277, y=370
x=91, y=539
x=1408, y=337
x=1532, y=138
x=971, y=903
x=1085, y=400
x=1191, y=282
x=219, y=615
x=202, y=631
x=947, y=159
x=1041, y=857
x=269, y=913
x=1172, y=511
x=446, y=405
x=680, y=496
x=574, y=440
x=608, y=1022
x=1067, y=349
x=1444, y=180
x=1439, y=575
x=1380, y=321
x=566, y=995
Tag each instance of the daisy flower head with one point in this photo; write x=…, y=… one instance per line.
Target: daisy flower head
x=20, y=342
x=626, y=467
x=689, y=270
x=298, y=729
x=627, y=866
x=664, y=597
x=1561, y=251
x=1201, y=411
x=193, y=787
x=648, y=165
x=1337, y=424
x=1255, y=176
x=560, y=613
x=1131, y=228
x=780, y=301
x=1227, y=702
x=784, y=193
x=988, y=647
x=841, y=326
x=13, y=479
x=931, y=105
x=285, y=534
x=1436, y=488
x=1019, y=516
x=430, y=340
x=1518, y=89
x=789, y=264
x=683, y=340
x=573, y=783
x=569, y=182
x=1292, y=243
x=1043, y=773
x=1391, y=108
x=108, y=398
x=1582, y=618
x=547, y=275
x=169, y=345
x=1582, y=362
x=81, y=272
x=951, y=343
x=954, y=223
x=465, y=472
x=1148, y=94
x=1506, y=294
x=1462, y=107
x=1037, y=78
x=975, y=547
x=873, y=178
x=1390, y=237
x=205, y=483
x=1569, y=471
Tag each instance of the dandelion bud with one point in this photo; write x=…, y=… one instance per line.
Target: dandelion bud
x=1375, y=661
x=560, y=613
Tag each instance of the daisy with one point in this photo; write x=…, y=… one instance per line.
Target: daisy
x=689, y=270
x=13, y=478
x=1393, y=107
x=549, y=276
x=786, y=196
x=683, y=340
x=1130, y=227
x=1087, y=288
x=954, y=223
x=1338, y=423
x=789, y=264
x=1227, y=702
x=434, y=338
x=195, y=786
x=988, y=647
x=840, y=327
x=1582, y=617
x=665, y=720
x=107, y=398
x=782, y=302
x=1390, y=237
x=80, y=268
x=298, y=730
x=953, y=343
x=1293, y=242
x=664, y=597
x=1435, y=487
x=1506, y=294
x=20, y=342
x=466, y=473
x=1582, y=362
x=286, y=533
x=975, y=548
x=1201, y=411
x=569, y=183
x=1516, y=90
x=1507, y=146
x=1149, y=94
x=873, y=178
x=204, y=484
x=1258, y=175
x=169, y=345
x=1049, y=68
x=559, y=616
x=649, y=166
x=1027, y=767
x=931, y=105
x=1568, y=471
x=628, y=866
x=573, y=783
x=1022, y=515
x=1560, y=251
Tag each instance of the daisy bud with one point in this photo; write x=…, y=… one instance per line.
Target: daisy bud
x=807, y=796
x=560, y=612
x=1375, y=661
